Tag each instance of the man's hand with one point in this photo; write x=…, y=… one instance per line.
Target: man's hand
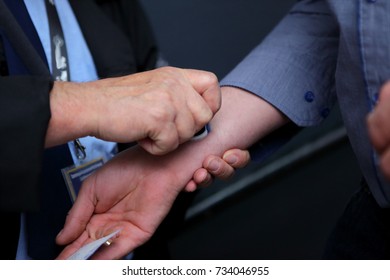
x=161, y=108
x=132, y=192
x=379, y=129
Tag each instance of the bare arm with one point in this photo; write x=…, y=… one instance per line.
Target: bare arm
x=244, y=118
x=250, y=126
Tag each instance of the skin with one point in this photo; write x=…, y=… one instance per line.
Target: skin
x=135, y=190
x=378, y=122
x=218, y=167
x=160, y=109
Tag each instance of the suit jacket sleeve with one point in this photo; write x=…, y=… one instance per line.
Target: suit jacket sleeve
x=118, y=35
x=24, y=116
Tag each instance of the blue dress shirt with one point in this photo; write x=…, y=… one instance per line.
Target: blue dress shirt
x=321, y=51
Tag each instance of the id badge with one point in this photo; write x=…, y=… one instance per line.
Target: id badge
x=74, y=176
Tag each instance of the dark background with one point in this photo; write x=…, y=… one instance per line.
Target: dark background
x=283, y=208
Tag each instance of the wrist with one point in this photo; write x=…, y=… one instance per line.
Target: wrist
x=71, y=117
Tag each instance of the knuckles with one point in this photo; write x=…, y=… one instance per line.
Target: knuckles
x=211, y=79
x=163, y=112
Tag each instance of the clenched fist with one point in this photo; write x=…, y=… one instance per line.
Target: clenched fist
x=160, y=109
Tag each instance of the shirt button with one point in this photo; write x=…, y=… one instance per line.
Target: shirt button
x=309, y=96
x=325, y=112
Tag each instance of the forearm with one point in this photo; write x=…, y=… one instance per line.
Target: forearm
x=242, y=120
x=71, y=116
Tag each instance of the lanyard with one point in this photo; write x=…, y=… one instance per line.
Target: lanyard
x=59, y=54
x=59, y=58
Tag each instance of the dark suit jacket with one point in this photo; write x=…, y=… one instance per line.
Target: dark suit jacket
x=120, y=41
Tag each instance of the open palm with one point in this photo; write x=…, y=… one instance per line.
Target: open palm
x=133, y=192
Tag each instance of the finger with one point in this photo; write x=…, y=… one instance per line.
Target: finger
x=379, y=127
x=73, y=247
x=385, y=163
x=192, y=114
x=236, y=158
x=375, y=131
x=378, y=120
x=121, y=246
x=199, y=111
x=190, y=187
x=384, y=93
x=206, y=84
x=162, y=140
x=218, y=167
x=78, y=217
x=202, y=177
x=115, y=251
